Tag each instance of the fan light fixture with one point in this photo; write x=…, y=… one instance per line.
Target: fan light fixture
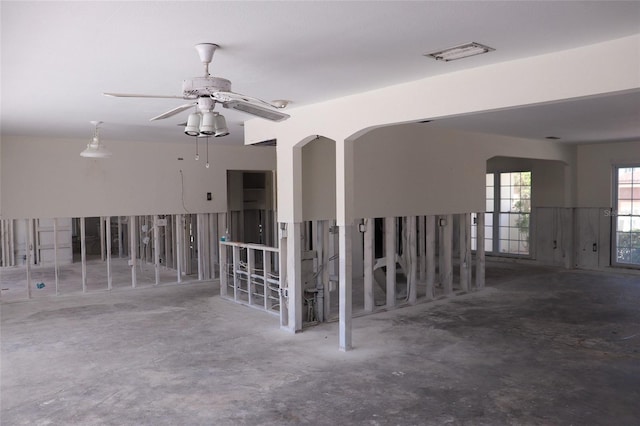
x=459, y=52
x=207, y=123
x=95, y=149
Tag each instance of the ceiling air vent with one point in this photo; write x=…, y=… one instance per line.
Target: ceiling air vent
x=459, y=52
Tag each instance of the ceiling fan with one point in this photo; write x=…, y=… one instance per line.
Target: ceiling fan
x=204, y=93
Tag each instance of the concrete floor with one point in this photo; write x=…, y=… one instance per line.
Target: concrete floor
x=540, y=346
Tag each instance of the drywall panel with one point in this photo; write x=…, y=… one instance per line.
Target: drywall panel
x=415, y=169
x=553, y=236
x=595, y=170
x=587, y=237
x=319, y=180
x=48, y=178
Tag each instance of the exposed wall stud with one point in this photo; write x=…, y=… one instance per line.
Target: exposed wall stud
x=412, y=256
x=447, y=243
x=369, y=254
x=430, y=254
x=390, y=257
x=83, y=253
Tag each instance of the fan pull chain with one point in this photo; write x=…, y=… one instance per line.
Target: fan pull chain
x=197, y=156
x=207, y=164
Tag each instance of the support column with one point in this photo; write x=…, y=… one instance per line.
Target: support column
x=369, y=260
x=480, y=254
x=345, y=220
x=282, y=266
x=294, y=276
x=345, y=236
x=430, y=254
x=390, y=257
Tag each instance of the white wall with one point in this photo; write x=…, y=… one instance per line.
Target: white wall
x=415, y=169
x=595, y=170
x=548, y=178
x=48, y=178
x=319, y=180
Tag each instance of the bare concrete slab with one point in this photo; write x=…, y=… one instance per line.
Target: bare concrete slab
x=539, y=346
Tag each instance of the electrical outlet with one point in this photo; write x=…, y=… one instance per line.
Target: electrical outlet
x=209, y=196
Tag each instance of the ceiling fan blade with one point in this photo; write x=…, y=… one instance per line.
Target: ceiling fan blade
x=174, y=111
x=250, y=105
x=133, y=95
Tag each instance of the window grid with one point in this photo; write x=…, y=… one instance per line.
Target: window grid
x=627, y=216
x=512, y=218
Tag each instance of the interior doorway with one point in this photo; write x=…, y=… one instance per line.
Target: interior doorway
x=251, y=205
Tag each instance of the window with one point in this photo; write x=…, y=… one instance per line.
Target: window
x=508, y=213
x=627, y=216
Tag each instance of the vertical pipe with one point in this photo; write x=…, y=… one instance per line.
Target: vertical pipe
x=390, y=256
x=83, y=253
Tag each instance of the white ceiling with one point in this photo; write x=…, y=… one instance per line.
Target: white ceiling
x=58, y=57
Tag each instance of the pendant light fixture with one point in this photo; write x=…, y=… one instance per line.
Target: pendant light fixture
x=206, y=123
x=95, y=149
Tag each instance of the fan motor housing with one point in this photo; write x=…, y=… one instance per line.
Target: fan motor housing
x=204, y=86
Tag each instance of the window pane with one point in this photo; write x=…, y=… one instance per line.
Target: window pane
x=489, y=179
x=627, y=241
